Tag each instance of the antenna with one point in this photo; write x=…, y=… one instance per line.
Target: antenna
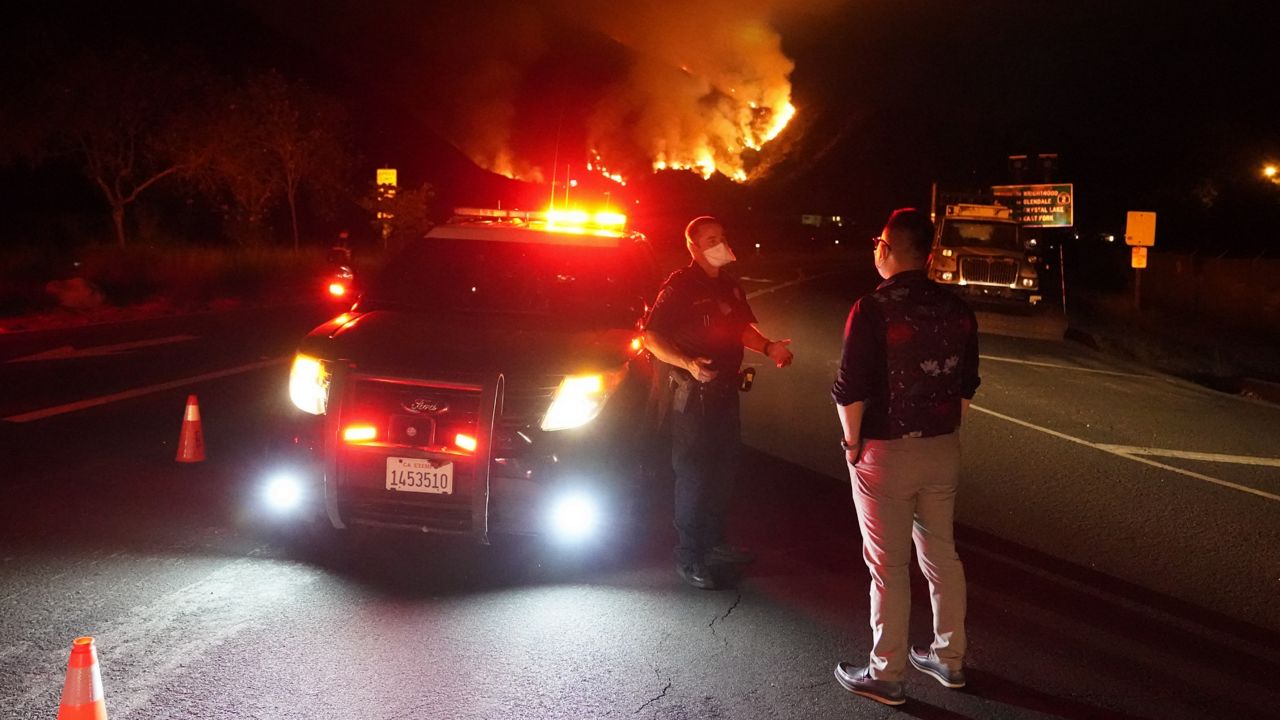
x=555, y=160
x=556, y=155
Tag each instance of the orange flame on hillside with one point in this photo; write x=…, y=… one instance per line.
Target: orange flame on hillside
x=705, y=88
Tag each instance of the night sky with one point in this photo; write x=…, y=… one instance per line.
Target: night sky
x=1167, y=106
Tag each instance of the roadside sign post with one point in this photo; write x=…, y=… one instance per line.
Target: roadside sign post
x=1044, y=205
x=1062, y=274
x=386, y=183
x=1139, y=234
x=1041, y=206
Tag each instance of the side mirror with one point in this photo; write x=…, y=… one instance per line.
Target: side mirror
x=342, y=284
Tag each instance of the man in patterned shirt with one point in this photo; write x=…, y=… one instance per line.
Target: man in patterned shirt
x=908, y=371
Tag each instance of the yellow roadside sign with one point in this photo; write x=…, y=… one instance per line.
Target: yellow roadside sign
x=1140, y=231
x=1138, y=257
x=387, y=176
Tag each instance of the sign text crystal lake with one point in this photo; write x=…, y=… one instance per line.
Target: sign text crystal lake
x=1038, y=205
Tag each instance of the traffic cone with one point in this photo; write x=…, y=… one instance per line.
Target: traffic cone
x=82, y=697
x=191, y=441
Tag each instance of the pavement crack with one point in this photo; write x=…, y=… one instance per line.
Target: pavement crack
x=721, y=618
x=658, y=697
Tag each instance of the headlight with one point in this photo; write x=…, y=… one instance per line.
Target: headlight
x=1033, y=259
x=283, y=492
x=1028, y=282
x=947, y=276
x=579, y=400
x=309, y=384
x=574, y=516
x=947, y=252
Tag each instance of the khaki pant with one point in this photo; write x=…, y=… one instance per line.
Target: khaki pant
x=905, y=490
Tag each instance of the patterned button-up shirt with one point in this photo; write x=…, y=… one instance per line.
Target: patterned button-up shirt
x=911, y=353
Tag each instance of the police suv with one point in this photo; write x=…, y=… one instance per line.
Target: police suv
x=489, y=380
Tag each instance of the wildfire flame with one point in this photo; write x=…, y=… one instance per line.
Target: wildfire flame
x=705, y=88
x=706, y=95
x=705, y=161
x=597, y=165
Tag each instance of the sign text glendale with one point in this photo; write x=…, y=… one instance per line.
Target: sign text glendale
x=1038, y=205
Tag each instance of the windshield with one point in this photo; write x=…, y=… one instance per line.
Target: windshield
x=597, y=285
x=996, y=236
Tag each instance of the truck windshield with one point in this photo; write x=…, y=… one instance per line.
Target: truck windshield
x=970, y=233
x=596, y=285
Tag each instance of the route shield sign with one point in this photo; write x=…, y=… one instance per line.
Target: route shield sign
x=1039, y=205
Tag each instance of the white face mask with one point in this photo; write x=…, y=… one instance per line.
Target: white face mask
x=719, y=255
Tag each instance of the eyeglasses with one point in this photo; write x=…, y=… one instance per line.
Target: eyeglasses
x=875, y=243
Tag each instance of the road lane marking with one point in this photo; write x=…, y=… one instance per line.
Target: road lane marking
x=1061, y=367
x=1188, y=455
x=137, y=392
x=789, y=283
x=67, y=352
x=1111, y=450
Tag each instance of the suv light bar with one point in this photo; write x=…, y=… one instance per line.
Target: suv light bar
x=602, y=220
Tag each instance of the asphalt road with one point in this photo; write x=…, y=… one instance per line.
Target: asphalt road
x=1119, y=530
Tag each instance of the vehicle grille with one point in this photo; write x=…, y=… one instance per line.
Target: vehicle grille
x=385, y=402
x=988, y=271
x=451, y=514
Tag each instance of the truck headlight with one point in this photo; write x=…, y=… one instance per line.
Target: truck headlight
x=309, y=384
x=948, y=252
x=579, y=399
x=1028, y=282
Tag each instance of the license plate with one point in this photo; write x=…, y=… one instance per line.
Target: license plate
x=420, y=475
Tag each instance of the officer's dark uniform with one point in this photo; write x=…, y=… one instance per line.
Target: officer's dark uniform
x=703, y=316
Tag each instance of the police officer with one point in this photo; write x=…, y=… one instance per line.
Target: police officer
x=699, y=326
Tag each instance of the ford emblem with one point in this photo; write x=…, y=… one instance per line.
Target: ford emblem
x=428, y=406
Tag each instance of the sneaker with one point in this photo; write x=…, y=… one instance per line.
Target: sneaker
x=858, y=681
x=924, y=661
x=696, y=575
x=729, y=555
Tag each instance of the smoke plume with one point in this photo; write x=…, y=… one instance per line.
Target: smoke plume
x=693, y=85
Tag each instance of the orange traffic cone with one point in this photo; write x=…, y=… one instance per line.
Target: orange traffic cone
x=191, y=441
x=82, y=694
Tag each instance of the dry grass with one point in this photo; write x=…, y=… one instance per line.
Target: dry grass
x=174, y=278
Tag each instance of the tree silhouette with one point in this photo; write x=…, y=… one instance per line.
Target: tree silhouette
x=282, y=137
x=131, y=120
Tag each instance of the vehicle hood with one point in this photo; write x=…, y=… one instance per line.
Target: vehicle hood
x=463, y=344
x=989, y=252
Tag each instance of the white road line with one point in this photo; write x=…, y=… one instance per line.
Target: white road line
x=137, y=392
x=1188, y=455
x=1061, y=367
x=69, y=352
x=1110, y=449
x=807, y=278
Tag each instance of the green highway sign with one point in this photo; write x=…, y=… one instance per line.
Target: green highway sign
x=1038, y=205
